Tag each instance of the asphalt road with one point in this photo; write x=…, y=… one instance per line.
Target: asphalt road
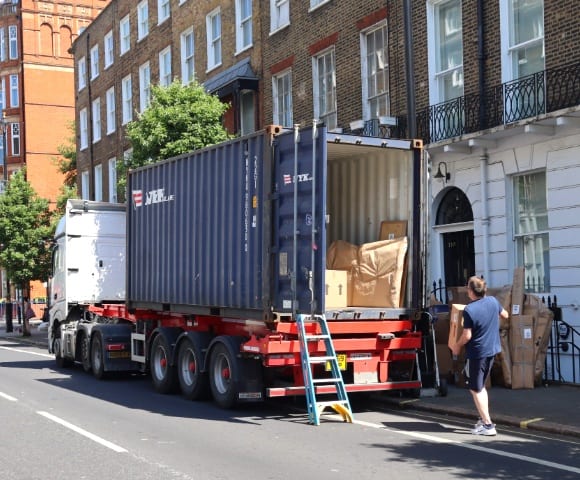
x=58, y=424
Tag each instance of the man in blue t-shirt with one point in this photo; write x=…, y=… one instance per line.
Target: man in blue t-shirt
x=481, y=339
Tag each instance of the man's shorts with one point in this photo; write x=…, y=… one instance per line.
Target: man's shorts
x=477, y=370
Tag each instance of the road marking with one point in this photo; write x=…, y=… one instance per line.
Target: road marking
x=45, y=355
x=470, y=446
x=79, y=430
x=525, y=423
x=8, y=397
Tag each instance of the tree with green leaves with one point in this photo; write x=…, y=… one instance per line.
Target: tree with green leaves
x=25, y=233
x=67, y=165
x=179, y=119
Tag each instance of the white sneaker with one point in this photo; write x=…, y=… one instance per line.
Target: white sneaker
x=478, y=424
x=487, y=430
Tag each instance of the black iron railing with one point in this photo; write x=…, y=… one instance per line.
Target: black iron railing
x=526, y=97
x=563, y=347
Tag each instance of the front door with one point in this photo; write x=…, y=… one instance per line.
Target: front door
x=458, y=257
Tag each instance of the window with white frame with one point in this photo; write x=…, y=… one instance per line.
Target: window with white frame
x=83, y=128
x=375, y=72
x=144, y=86
x=531, y=230
x=315, y=3
x=82, y=73
x=12, y=42
x=2, y=44
x=165, y=67
x=243, y=24
x=163, y=10
x=214, y=39
x=142, y=19
x=126, y=100
x=124, y=35
x=445, y=33
x=94, y=62
x=112, y=164
x=111, y=110
x=109, y=47
x=247, y=112
x=187, y=63
x=522, y=38
x=14, y=91
x=282, y=98
x=324, y=80
x=127, y=155
x=85, y=186
x=98, y=173
x=15, y=135
x=96, y=120
x=279, y=14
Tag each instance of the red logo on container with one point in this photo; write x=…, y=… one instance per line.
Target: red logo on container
x=137, y=198
x=287, y=179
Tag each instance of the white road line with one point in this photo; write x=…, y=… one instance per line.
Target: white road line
x=8, y=397
x=45, y=355
x=470, y=446
x=79, y=430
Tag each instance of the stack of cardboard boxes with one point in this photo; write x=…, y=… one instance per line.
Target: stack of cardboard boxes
x=369, y=275
x=524, y=336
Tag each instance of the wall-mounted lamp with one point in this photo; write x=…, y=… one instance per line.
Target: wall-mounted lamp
x=440, y=175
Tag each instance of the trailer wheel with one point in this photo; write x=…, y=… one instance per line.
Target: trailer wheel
x=163, y=374
x=223, y=374
x=193, y=382
x=97, y=356
x=86, y=353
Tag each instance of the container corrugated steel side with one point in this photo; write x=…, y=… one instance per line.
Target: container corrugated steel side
x=195, y=230
x=216, y=231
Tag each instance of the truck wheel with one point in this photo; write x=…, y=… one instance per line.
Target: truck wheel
x=193, y=382
x=223, y=374
x=163, y=374
x=97, y=359
x=61, y=362
x=86, y=353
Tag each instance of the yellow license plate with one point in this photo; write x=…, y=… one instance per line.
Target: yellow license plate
x=341, y=357
x=119, y=355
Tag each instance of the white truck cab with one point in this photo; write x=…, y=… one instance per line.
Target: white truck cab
x=88, y=263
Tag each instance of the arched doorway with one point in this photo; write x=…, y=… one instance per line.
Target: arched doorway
x=454, y=220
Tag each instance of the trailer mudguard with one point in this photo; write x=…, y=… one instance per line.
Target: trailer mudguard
x=116, y=334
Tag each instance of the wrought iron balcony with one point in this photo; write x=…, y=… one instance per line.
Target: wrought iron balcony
x=530, y=96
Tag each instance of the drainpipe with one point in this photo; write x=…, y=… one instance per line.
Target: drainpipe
x=410, y=70
x=481, y=60
x=484, y=215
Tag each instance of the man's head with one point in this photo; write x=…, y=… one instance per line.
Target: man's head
x=477, y=286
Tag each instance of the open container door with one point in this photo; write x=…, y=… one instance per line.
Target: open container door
x=299, y=211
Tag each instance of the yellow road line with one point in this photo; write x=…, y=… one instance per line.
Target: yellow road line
x=525, y=423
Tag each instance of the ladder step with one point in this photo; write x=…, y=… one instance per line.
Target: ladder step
x=321, y=359
x=326, y=380
x=330, y=403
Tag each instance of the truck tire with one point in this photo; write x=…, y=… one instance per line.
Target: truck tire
x=86, y=353
x=97, y=356
x=194, y=383
x=163, y=374
x=224, y=371
x=61, y=362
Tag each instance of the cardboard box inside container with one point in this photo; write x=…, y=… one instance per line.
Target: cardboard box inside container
x=341, y=255
x=393, y=229
x=336, y=289
x=376, y=280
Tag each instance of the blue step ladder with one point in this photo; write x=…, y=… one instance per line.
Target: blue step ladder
x=340, y=402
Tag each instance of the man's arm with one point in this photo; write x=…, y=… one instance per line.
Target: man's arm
x=504, y=314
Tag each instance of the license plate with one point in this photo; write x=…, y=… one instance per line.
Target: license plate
x=119, y=354
x=341, y=357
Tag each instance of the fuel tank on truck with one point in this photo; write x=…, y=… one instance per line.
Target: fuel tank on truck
x=241, y=229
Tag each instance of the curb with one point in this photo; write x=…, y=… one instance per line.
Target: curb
x=539, y=424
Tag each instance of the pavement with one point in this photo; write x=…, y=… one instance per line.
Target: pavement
x=552, y=408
